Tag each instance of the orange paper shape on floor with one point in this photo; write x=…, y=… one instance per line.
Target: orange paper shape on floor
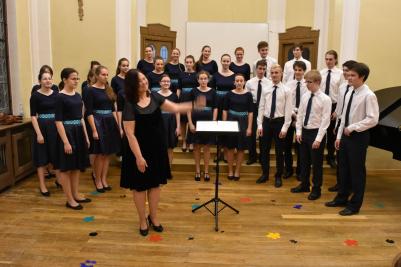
x=351, y=243
x=155, y=238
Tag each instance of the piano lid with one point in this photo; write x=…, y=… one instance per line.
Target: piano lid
x=387, y=134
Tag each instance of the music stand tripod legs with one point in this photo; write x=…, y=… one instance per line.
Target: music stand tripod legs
x=216, y=198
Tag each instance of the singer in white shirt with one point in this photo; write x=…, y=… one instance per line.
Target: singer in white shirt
x=274, y=118
x=313, y=119
x=361, y=113
x=289, y=65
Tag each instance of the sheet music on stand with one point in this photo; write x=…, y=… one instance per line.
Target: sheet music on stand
x=217, y=129
x=217, y=126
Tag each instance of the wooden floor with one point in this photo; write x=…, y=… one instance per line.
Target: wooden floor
x=38, y=231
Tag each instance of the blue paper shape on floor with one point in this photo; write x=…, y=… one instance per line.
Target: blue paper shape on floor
x=379, y=205
x=297, y=206
x=95, y=193
x=89, y=219
x=90, y=262
x=194, y=206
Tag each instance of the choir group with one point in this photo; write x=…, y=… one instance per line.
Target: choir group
x=141, y=113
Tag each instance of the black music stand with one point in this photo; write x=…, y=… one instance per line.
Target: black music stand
x=217, y=128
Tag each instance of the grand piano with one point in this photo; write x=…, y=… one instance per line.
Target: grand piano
x=387, y=134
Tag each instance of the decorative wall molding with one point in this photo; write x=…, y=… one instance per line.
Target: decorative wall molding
x=350, y=30
x=276, y=19
x=321, y=22
x=123, y=29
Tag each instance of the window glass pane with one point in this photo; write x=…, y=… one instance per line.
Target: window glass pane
x=164, y=53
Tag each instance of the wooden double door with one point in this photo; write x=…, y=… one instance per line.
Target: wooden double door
x=160, y=38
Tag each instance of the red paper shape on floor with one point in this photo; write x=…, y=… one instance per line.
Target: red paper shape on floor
x=351, y=242
x=245, y=199
x=155, y=238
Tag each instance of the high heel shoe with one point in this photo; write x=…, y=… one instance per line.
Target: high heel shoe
x=99, y=190
x=58, y=185
x=236, y=178
x=45, y=194
x=84, y=200
x=206, y=177
x=197, y=176
x=184, y=149
x=157, y=228
x=107, y=188
x=79, y=207
x=144, y=232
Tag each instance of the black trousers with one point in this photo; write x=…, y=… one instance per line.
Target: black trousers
x=312, y=157
x=271, y=131
x=352, y=170
x=331, y=137
x=289, y=143
x=252, y=138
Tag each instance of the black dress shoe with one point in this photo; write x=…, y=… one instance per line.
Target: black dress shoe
x=79, y=207
x=288, y=174
x=236, y=178
x=100, y=190
x=300, y=189
x=250, y=161
x=230, y=177
x=85, y=200
x=347, y=212
x=332, y=163
x=197, y=177
x=314, y=195
x=335, y=203
x=157, y=228
x=206, y=177
x=262, y=179
x=144, y=232
x=334, y=188
x=278, y=182
x=45, y=194
x=107, y=188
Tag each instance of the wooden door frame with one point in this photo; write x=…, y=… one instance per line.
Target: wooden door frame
x=157, y=32
x=299, y=34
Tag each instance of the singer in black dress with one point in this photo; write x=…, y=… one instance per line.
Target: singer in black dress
x=102, y=118
x=205, y=63
x=174, y=68
x=239, y=66
x=44, y=69
x=187, y=81
x=73, y=140
x=43, y=108
x=117, y=82
x=223, y=82
x=155, y=76
x=238, y=106
x=208, y=113
x=145, y=164
x=146, y=65
x=171, y=121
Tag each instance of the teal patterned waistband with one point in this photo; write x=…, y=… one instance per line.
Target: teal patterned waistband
x=221, y=93
x=155, y=89
x=174, y=81
x=238, y=113
x=72, y=122
x=47, y=116
x=205, y=109
x=103, y=111
x=186, y=89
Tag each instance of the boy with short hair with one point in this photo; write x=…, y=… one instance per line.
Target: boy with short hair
x=313, y=119
x=263, y=49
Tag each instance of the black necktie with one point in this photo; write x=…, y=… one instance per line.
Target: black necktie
x=308, y=110
x=298, y=95
x=346, y=91
x=259, y=93
x=328, y=78
x=273, y=107
x=348, y=109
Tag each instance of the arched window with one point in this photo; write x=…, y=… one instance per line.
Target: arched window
x=164, y=53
